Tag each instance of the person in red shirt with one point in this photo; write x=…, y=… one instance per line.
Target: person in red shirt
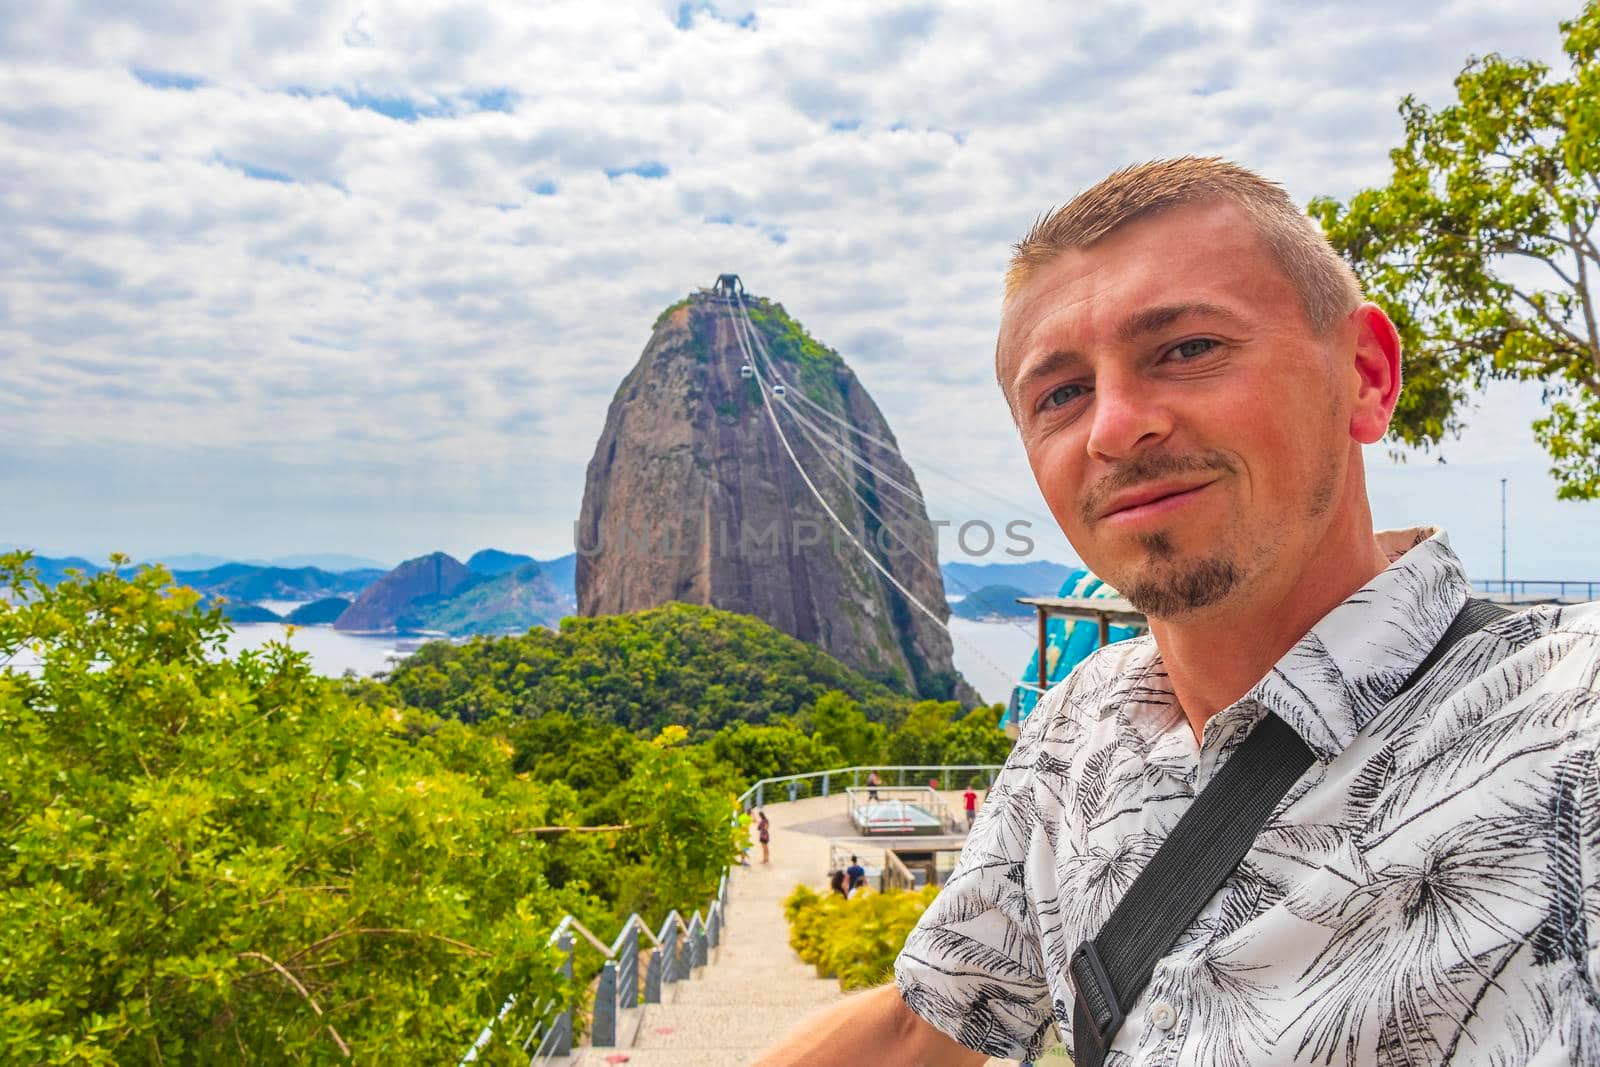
x=971, y=799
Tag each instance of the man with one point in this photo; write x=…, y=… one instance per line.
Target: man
x=970, y=799
x=1194, y=373
x=855, y=875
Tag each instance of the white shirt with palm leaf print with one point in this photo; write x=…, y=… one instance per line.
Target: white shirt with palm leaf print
x=1427, y=893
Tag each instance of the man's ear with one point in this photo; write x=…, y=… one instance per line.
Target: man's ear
x=1377, y=373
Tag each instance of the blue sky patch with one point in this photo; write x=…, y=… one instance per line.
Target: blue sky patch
x=544, y=188
x=168, y=79
x=648, y=169
x=845, y=125
x=687, y=13
x=250, y=170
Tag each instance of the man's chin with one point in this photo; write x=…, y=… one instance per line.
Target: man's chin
x=1180, y=588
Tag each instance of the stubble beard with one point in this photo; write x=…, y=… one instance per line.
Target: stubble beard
x=1168, y=586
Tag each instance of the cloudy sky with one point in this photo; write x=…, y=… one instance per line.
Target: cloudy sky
x=362, y=277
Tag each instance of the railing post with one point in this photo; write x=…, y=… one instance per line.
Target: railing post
x=682, y=953
x=695, y=943
x=652, y=979
x=562, y=1045
x=628, y=972
x=794, y=788
x=669, y=953
x=603, y=1029
x=761, y=788
x=824, y=783
x=714, y=924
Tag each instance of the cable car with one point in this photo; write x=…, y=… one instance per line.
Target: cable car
x=778, y=391
x=747, y=371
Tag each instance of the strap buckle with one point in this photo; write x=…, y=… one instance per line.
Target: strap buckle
x=1096, y=995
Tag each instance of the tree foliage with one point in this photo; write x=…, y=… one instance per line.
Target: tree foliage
x=213, y=860
x=678, y=664
x=1482, y=249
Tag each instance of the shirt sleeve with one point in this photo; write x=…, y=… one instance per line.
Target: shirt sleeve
x=972, y=966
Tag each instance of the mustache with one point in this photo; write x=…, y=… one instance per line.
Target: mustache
x=1149, y=468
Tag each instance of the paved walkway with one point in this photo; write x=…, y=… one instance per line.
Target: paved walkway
x=755, y=989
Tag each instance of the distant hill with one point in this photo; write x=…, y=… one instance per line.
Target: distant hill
x=234, y=611
x=1035, y=578
x=54, y=568
x=337, y=562
x=677, y=663
x=492, y=561
x=318, y=612
x=511, y=602
x=990, y=601
x=249, y=582
x=562, y=572
x=396, y=600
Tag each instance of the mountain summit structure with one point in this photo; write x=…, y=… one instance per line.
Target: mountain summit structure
x=698, y=492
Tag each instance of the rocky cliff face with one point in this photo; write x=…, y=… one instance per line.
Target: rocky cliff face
x=691, y=495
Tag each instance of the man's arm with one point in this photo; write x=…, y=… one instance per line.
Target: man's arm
x=872, y=1027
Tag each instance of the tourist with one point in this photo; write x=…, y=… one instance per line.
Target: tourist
x=764, y=833
x=836, y=882
x=1194, y=373
x=855, y=875
x=970, y=798
x=872, y=785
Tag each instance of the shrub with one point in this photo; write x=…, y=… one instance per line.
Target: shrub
x=854, y=940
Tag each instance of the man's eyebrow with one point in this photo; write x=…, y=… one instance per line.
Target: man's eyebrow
x=1154, y=319
x=1047, y=365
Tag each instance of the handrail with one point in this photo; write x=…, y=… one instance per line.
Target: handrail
x=754, y=796
x=618, y=982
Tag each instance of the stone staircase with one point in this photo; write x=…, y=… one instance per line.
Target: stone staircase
x=755, y=989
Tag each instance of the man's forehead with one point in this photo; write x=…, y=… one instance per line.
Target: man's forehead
x=1188, y=255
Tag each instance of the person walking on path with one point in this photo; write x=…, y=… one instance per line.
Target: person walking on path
x=855, y=875
x=872, y=785
x=763, y=834
x=971, y=799
x=1194, y=373
x=836, y=883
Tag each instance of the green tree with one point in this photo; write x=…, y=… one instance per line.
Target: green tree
x=841, y=724
x=206, y=860
x=772, y=750
x=1482, y=249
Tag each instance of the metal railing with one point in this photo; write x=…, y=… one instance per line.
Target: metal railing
x=679, y=948
x=823, y=781
x=1518, y=590
x=898, y=810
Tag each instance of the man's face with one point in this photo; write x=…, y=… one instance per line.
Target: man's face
x=1188, y=430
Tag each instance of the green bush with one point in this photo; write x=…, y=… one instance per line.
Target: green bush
x=207, y=860
x=855, y=940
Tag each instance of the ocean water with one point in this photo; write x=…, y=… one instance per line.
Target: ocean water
x=993, y=655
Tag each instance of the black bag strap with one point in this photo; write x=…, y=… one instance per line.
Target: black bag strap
x=1110, y=971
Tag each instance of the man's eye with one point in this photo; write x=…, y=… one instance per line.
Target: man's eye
x=1193, y=349
x=1065, y=394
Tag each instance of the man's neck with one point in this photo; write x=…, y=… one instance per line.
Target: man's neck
x=1212, y=662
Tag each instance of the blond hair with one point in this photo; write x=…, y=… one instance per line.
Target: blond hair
x=1326, y=285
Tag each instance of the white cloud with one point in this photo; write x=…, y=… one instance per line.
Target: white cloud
x=411, y=342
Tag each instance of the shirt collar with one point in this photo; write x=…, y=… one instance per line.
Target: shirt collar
x=1353, y=661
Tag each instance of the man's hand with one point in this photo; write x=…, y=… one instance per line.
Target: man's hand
x=873, y=1027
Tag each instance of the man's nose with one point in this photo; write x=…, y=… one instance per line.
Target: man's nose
x=1128, y=416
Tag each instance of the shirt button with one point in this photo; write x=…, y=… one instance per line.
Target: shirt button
x=1163, y=1016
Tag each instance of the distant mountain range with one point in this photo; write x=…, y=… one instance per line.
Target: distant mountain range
x=1034, y=578
x=493, y=592
x=992, y=601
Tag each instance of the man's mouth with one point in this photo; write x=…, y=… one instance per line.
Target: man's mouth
x=1151, y=500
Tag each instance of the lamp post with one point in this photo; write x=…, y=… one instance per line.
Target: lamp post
x=1503, y=588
